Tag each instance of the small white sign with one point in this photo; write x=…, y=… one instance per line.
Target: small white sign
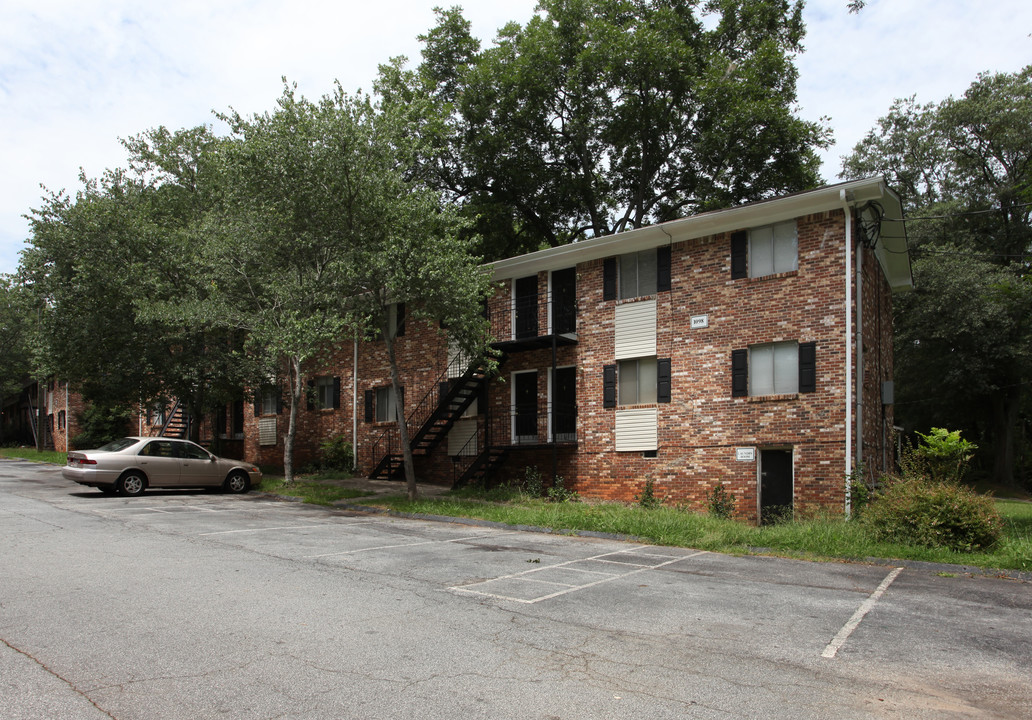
x=745, y=454
x=700, y=321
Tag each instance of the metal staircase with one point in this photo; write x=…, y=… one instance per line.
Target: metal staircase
x=177, y=424
x=444, y=403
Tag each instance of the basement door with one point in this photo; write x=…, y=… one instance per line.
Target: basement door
x=775, y=485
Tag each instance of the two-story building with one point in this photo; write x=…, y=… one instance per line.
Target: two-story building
x=750, y=347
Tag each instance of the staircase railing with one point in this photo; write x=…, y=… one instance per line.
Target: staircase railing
x=389, y=442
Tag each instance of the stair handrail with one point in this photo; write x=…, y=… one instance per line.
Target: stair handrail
x=168, y=417
x=462, y=362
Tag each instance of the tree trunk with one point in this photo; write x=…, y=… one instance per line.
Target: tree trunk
x=1005, y=418
x=399, y=411
x=294, y=379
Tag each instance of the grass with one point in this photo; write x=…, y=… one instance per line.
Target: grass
x=27, y=453
x=323, y=489
x=829, y=537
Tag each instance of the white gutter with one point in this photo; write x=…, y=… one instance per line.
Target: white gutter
x=846, y=207
x=859, y=355
x=354, y=406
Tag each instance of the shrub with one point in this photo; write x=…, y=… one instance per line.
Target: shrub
x=532, y=483
x=336, y=454
x=99, y=425
x=720, y=502
x=558, y=492
x=647, y=498
x=942, y=455
x=918, y=511
x=860, y=493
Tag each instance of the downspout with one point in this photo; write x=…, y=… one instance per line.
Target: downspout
x=354, y=405
x=859, y=356
x=67, y=429
x=847, y=209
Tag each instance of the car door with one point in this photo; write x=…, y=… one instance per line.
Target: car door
x=196, y=465
x=159, y=463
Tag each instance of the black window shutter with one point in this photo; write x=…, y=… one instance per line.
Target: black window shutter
x=663, y=268
x=808, y=367
x=258, y=403
x=399, y=322
x=279, y=400
x=663, y=387
x=739, y=254
x=609, y=279
x=370, y=398
x=609, y=386
x=311, y=394
x=739, y=373
x=336, y=393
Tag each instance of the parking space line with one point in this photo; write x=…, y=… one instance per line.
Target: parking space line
x=523, y=576
x=252, y=530
x=865, y=607
x=406, y=545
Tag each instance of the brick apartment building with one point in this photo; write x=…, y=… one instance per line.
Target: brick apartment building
x=750, y=346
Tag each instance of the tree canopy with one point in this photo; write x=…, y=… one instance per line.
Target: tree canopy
x=599, y=116
x=963, y=167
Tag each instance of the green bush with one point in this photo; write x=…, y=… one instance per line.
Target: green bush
x=559, y=493
x=100, y=425
x=720, y=502
x=336, y=454
x=647, y=498
x=944, y=455
x=918, y=511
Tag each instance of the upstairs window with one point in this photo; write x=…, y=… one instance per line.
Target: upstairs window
x=766, y=250
x=637, y=274
x=324, y=393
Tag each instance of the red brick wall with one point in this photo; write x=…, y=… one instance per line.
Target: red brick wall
x=700, y=429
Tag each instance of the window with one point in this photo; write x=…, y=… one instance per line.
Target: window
x=637, y=381
x=385, y=405
x=270, y=403
x=61, y=420
x=774, y=368
x=636, y=274
x=324, y=393
x=780, y=368
x=765, y=250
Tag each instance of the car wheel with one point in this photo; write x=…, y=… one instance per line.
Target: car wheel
x=131, y=483
x=237, y=482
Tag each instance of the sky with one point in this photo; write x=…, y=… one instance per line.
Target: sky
x=77, y=75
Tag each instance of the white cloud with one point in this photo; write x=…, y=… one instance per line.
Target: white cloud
x=76, y=76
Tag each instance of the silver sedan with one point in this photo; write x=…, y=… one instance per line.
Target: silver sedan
x=130, y=465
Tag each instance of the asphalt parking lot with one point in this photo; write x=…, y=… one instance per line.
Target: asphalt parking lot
x=203, y=605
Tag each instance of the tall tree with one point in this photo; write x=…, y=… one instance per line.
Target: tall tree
x=963, y=341
x=603, y=115
x=16, y=321
x=276, y=248
x=97, y=262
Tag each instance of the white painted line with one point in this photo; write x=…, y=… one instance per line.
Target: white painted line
x=865, y=607
x=406, y=545
x=522, y=576
x=252, y=530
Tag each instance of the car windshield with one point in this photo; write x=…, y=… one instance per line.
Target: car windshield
x=116, y=445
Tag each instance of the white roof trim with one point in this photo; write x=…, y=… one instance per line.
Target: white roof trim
x=892, y=251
